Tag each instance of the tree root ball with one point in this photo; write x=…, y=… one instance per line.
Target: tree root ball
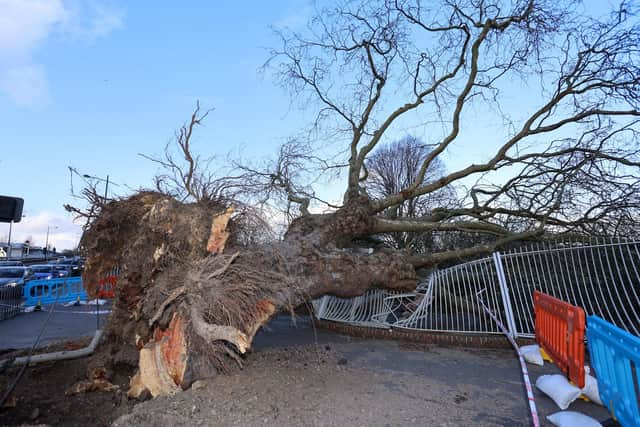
x=191, y=296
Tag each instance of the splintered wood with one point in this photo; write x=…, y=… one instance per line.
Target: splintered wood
x=162, y=362
x=219, y=234
x=98, y=382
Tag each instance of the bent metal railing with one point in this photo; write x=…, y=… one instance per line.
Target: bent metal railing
x=602, y=276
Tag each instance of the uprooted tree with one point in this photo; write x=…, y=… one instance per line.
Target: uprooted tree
x=562, y=155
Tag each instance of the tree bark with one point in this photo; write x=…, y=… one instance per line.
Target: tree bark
x=185, y=309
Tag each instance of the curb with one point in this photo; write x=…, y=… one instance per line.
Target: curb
x=422, y=337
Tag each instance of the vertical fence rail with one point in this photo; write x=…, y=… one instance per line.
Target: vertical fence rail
x=504, y=291
x=10, y=301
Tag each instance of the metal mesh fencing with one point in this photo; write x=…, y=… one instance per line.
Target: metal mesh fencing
x=10, y=301
x=451, y=305
x=601, y=276
x=446, y=302
x=368, y=309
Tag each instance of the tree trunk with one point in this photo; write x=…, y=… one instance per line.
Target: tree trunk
x=190, y=297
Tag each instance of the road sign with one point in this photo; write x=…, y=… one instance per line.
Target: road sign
x=11, y=209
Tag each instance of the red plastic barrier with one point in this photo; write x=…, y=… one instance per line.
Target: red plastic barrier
x=107, y=287
x=560, y=329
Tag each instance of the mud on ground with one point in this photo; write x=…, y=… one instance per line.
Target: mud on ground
x=40, y=397
x=300, y=377
x=357, y=384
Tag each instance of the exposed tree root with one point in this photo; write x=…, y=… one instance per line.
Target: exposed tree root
x=177, y=292
x=185, y=310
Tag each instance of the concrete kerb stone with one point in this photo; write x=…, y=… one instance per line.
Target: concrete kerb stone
x=422, y=337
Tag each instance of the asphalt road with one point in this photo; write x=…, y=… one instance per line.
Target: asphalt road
x=298, y=376
x=484, y=385
x=65, y=323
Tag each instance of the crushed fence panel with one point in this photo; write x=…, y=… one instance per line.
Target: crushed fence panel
x=600, y=275
x=368, y=309
x=447, y=300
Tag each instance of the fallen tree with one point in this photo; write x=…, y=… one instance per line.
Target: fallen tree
x=192, y=294
x=191, y=300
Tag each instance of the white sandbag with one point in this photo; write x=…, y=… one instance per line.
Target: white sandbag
x=590, y=389
x=572, y=419
x=559, y=389
x=83, y=302
x=531, y=354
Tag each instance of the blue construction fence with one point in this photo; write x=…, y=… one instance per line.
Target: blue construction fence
x=41, y=292
x=615, y=357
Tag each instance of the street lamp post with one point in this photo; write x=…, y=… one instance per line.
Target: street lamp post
x=9, y=242
x=46, y=245
x=106, y=189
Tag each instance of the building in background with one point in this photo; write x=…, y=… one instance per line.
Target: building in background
x=22, y=250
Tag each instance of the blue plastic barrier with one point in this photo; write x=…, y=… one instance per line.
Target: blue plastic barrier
x=61, y=290
x=615, y=356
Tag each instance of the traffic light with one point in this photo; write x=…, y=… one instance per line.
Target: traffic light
x=10, y=209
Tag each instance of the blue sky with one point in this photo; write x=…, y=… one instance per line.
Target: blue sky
x=92, y=83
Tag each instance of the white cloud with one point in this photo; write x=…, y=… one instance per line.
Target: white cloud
x=87, y=20
x=63, y=232
x=26, y=24
x=25, y=85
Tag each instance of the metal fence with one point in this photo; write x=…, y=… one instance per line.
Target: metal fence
x=602, y=276
x=10, y=301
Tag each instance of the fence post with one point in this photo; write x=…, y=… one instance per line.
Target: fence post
x=506, y=297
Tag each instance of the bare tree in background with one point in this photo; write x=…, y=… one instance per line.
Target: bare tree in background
x=393, y=167
x=560, y=157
